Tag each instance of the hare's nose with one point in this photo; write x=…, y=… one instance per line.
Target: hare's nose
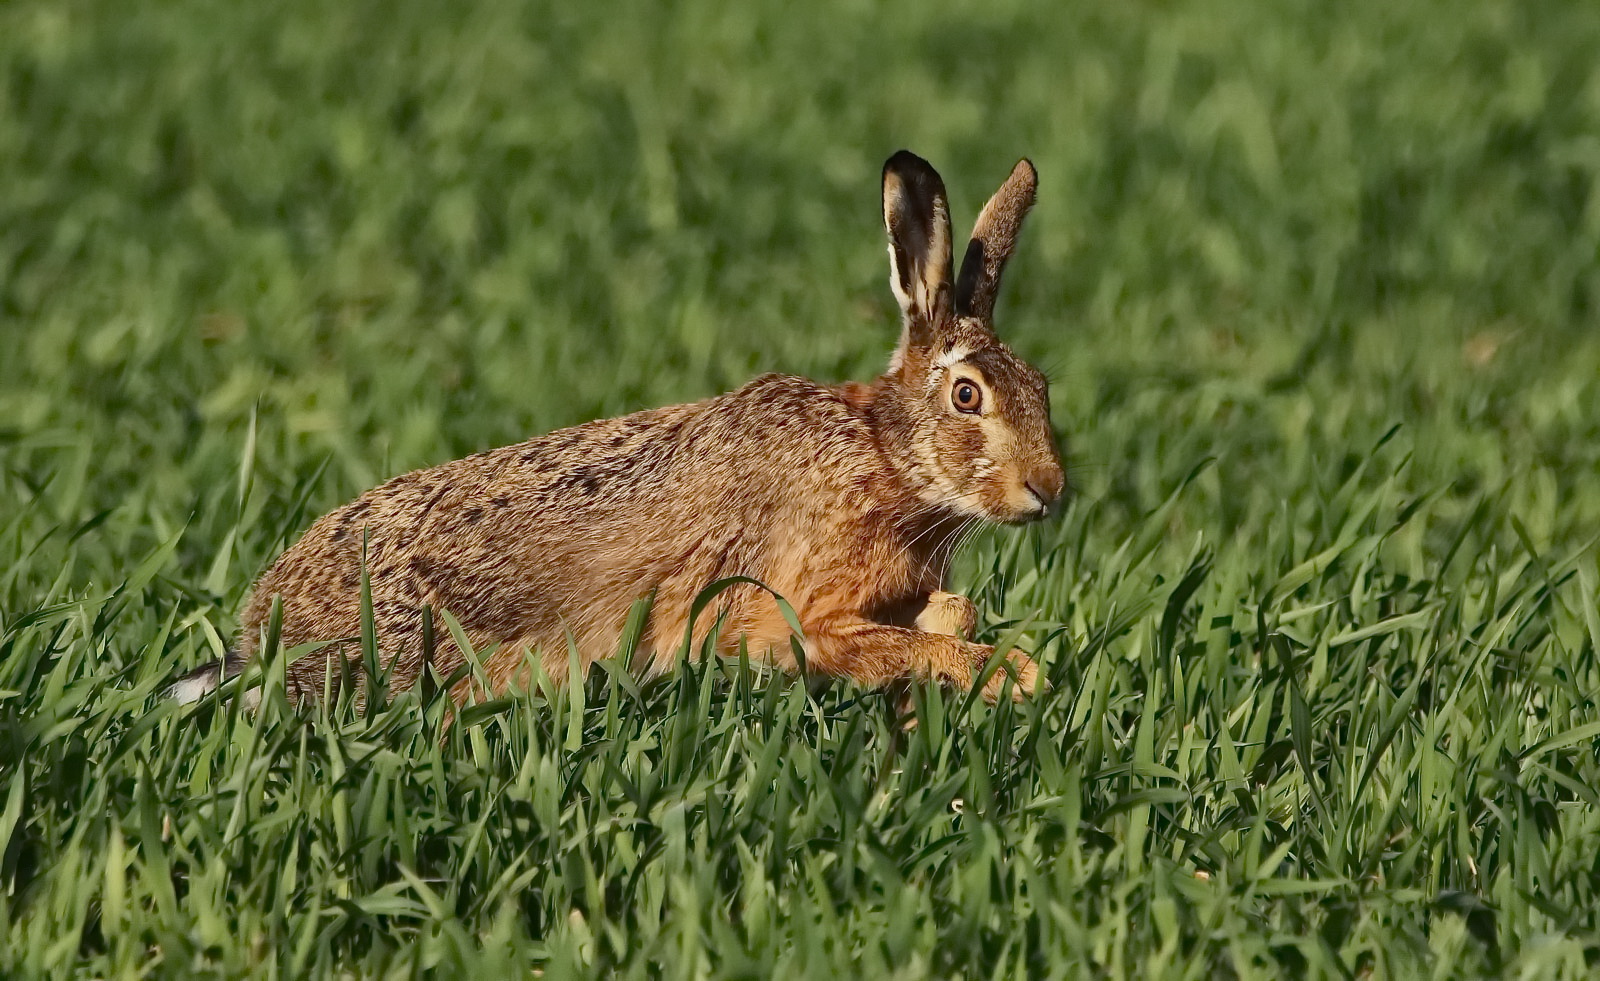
x=1045, y=483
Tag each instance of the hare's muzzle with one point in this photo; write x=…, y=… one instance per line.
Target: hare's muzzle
x=1044, y=485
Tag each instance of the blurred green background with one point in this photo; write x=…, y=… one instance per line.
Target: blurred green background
x=257, y=258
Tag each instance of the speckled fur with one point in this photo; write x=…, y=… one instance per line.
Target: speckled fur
x=846, y=500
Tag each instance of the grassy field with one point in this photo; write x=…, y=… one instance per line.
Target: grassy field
x=1318, y=290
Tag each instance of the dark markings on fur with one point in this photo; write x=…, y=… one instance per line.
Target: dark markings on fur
x=435, y=575
x=902, y=265
x=584, y=477
x=473, y=515
x=394, y=611
x=967, y=282
x=500, y=500
x=416, y=529
x=352, y=514
x=559, y=440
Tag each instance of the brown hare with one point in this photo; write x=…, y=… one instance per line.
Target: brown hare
x=843, y=499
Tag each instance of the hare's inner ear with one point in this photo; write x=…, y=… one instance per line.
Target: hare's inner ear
x=993, y=239
x=917, y=218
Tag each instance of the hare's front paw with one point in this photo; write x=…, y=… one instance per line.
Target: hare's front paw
x=1019, y=668
x=948, y=613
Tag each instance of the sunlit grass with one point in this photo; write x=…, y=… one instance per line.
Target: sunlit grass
x=1316, y=290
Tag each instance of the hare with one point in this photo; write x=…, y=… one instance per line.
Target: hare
x=843, y=499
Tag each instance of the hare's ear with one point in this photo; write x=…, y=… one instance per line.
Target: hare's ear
x=993, y=239
x=917, y=217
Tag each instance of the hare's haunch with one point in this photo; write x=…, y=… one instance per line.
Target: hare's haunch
x=844, y=499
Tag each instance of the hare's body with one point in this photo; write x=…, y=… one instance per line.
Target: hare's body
x=844, y=500
x=782, y=481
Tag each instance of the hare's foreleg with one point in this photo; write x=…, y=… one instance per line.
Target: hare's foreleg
x=954, y=614
x=943, y=613
x=873, y=654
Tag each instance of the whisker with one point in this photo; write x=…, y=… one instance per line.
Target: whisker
x=930, y=509
x=953, y=540
x=1059, y=369
x=967, y=535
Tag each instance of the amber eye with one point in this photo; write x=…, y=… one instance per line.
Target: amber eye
x=966, y=396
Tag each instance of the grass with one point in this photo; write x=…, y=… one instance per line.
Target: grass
x=1317, y=288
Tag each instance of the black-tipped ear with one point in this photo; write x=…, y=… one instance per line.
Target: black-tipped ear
x=917, y=218
x=993, y=239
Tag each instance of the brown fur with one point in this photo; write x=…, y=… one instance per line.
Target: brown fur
x=845, y=500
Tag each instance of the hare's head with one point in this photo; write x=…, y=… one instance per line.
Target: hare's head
x=969, y=420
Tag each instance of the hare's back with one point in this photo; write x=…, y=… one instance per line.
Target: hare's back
x=585, y=518
x=728, y=460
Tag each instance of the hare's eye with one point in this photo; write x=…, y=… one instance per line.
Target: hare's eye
x=966, y=396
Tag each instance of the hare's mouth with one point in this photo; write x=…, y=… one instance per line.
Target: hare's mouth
x=1026, y=515
x=1041, y=499
x=1012, y=510
x=1004, y=505
x=1024, y=504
